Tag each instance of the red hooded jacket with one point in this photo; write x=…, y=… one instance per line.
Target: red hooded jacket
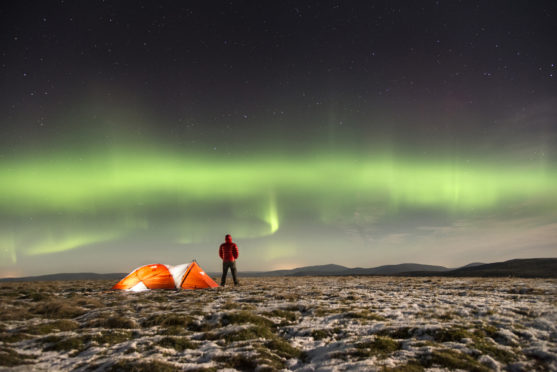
x=228, y=250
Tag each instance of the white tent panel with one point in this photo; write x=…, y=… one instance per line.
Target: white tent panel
x=138, y=287
x=178, y=272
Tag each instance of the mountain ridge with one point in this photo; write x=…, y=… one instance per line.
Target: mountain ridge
x=526, y=267
x=65, y=276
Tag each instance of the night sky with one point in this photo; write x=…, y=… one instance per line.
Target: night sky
x=355, y=133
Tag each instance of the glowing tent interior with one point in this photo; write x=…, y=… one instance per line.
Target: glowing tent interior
x=159, y=276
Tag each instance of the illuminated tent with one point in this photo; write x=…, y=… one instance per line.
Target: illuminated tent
x=159, y=276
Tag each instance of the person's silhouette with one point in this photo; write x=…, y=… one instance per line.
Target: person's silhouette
x=228, y=251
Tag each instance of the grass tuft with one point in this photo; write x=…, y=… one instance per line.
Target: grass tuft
x=380, y=346
x=35, y=296
x=172, y=331
x=267, y=360
x=57, y=309
x=177, y=343
x=284, y=349
x=411, y=366
x=14, y=313
x=242, y=335
x=238, y=362
x=11, y=337
x=64, y=344
x=486, y=331
x=168, y=320
x=453, y=360
x=320, y=334
x=365, y=315
x=124, y=365
x=113, y=322
x=229, y=305
x=89, y=303
x=249, y=334
x=399, y=333
x=285, y=314
x=112, y=337
x=243, y=317
x=454, y=334
x=11, y=358
x=62, y=325
x=488, y=348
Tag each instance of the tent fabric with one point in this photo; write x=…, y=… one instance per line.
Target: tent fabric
x=160, y=276
x=196, y=278
x=155, y=276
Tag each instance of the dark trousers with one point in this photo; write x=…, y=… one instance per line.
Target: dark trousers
x=225, y=266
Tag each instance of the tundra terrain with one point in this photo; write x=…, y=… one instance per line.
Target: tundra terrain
x=283, y=323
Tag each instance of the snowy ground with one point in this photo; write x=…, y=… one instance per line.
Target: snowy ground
x=302, y=324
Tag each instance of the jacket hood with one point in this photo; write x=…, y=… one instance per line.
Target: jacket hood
x=228, y=239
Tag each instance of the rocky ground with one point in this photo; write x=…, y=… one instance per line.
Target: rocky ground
x=284, y=323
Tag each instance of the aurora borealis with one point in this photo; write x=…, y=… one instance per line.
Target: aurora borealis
x=313, y=133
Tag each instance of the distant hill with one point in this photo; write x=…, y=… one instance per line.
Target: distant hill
x=526, y=268
x=396, y=269
x=342, y=270
x=473, y=264
x=66, y=276
x=330, y=269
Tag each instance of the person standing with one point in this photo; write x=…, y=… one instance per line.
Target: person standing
x=228, y=252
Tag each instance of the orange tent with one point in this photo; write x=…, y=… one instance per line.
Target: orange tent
x=159, y=276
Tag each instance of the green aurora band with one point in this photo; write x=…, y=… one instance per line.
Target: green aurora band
x=126, y=187
x=82, y=185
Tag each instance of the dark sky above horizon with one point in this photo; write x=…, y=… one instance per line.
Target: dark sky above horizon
x=356, y=133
